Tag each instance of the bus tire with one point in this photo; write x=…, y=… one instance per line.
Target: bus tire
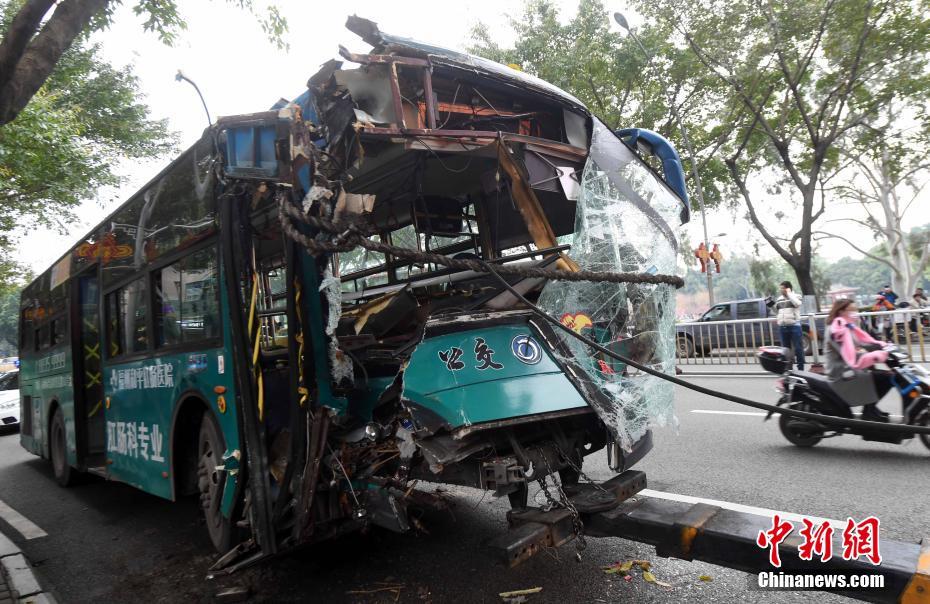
x=210, y=483
x=58, y=450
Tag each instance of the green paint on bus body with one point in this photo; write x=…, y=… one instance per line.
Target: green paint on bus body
x=487, y=374
x=144, y=398
x=47, y=378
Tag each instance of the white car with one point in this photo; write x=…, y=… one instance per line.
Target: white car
x=9, y=399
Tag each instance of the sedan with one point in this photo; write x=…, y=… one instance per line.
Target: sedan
x=9, y=399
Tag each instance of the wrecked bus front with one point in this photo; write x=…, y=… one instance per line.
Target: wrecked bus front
x=377, y=347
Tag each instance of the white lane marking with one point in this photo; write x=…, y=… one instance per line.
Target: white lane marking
x=761, y=413
x=748, y=509
x=20, y=523
x=714, y=411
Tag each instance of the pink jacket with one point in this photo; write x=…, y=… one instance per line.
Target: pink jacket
x=848, y=335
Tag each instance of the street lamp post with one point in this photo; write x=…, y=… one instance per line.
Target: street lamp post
x=622, y=22
x=181, y=77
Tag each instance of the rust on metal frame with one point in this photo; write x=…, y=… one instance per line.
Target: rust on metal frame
x=395, y=94
x=529, y=207
x=568, y=152
x=430, y=100
x=381, y=59
x=686, y=530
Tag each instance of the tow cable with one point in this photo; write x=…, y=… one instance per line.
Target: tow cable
x=828, y=420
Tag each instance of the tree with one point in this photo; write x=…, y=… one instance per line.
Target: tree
x=767, y=274
x=801, y=76
x=889, y=158
x=66, y=143
x=13, y=277
x=615, y=79
x=865, y=274
x=35, y=41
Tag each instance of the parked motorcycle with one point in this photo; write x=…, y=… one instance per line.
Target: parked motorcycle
x=816, y=393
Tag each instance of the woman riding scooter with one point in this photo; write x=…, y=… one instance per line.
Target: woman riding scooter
x=846, y=352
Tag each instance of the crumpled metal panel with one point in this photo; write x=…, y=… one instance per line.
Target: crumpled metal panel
x=626, y=221
x=369, y=32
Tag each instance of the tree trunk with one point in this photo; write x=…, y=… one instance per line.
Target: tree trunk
x=42, y=53
x=805, y=280
x=22, y=28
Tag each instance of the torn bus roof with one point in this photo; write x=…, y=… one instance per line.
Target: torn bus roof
x=387, y=43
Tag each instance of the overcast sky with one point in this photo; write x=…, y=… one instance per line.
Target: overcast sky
x=239, y=71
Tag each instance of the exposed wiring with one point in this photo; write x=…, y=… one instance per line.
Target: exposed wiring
x=451, y=106
x=344, y=473
x=487, y=101
x=439, y=159
x=823, y=419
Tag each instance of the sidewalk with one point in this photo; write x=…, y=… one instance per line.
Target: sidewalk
x=18, y=584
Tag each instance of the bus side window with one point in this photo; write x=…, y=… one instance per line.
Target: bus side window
x=127, y=308
x=58, y=331
x=200, y=310
x=26, y=331
x=113, y=325
x=187, y=300
x=42, y=337
x=167, y=311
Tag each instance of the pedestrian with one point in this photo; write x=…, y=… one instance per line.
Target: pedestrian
x=919, y=299
x=889, y=295
x=919, y=302
x=882, y=324
x=788, y=318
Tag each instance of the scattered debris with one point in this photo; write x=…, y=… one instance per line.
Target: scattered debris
x=232, y=594
x=623, y=569
x=651, y=578
x=381, y=586
x=518, y=596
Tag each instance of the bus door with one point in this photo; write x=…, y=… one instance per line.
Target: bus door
x=88, y=389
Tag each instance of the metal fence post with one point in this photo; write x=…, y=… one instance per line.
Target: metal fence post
x=815, y=344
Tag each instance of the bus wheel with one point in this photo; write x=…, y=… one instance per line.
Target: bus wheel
x=210, y=482
x=58, y=448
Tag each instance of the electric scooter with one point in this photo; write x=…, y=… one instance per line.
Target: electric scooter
x=816, y=393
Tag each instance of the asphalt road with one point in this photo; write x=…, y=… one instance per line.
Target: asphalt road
x=109, y=542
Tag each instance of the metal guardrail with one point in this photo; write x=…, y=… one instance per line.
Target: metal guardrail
x=737, y=342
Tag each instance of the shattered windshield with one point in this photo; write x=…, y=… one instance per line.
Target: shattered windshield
x=626, y=221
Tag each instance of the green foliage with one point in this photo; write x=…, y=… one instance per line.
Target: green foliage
x=864, y=273
x=164, y=18
x=767, y=274
x=13, y=277
x=615, y=79
x=800, y=80
x=65, y=145
x=9, y=322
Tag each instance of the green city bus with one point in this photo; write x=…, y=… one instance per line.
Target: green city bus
x=225, y=333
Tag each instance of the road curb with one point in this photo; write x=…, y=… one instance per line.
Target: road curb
x=17, y=575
